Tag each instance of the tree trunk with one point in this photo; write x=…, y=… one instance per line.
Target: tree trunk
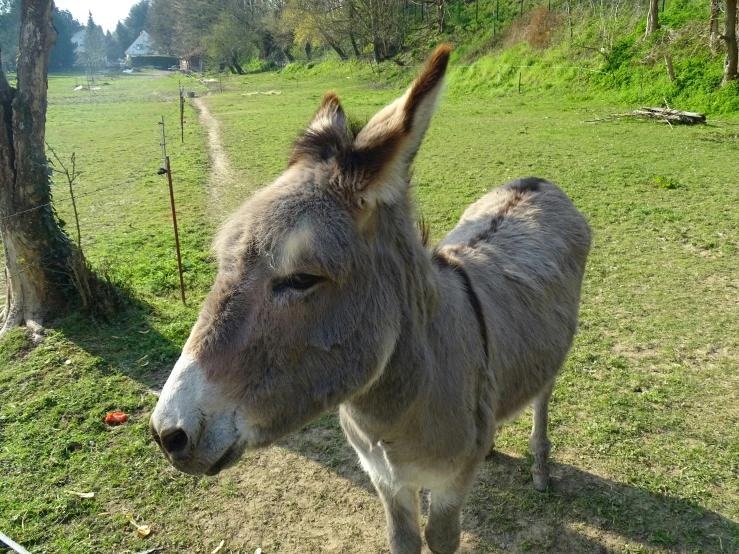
x=652, y=17
x=357, y=53
x=342, y=56
x=440, y=16
x=713, y=26
x=237, y=66
x=46, y=271
x=730, y=65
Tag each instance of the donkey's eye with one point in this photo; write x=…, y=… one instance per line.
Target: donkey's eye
x=297, y=281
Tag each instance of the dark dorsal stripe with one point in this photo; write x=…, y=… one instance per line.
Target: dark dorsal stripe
x=442, y=261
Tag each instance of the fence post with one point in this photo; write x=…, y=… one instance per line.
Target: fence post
x=168, y=170
x=176, y=233
x=182, y=113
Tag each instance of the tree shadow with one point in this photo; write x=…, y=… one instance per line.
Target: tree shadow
x=127, y=342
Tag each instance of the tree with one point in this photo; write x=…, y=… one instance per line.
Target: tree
x=112, y=49
x=46, y=272
x=137, y=19
x=228, y=42
x=652, y=17
x=729, y=36
x=123, y=37
x=93, y=50
x=713, y=26
x=63, y=54
x=10, y=21
x=161, y=26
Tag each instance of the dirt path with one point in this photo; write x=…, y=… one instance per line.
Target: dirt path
x=221, y=177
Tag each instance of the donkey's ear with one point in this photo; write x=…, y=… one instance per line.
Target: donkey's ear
x=384, y=150
x=326, y=134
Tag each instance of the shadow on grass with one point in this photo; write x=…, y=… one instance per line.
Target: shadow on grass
x=127, y=342
x=580, y=514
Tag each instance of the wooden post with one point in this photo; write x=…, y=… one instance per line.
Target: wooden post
x=519, y=82
x=168, y=170
x=670, y=69
x=182, y=113
x=176, y=232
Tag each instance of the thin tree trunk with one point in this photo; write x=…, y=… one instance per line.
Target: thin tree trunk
x=339, y=51
x=237, y=66
x=440, y=13
x=652, y=17
x=730, y=65
x=353, y=40
x=45, y=270
x=713, y=26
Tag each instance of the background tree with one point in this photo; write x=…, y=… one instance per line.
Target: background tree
x=729, y=36
x=123, y=37
x=94, y=47
x=10, y=20
x=713, y=26
x=137, y=19
x=46, y=273
x=112, y=49
x=63, y=55
x=160, y=26
x=230, y=41
x=652, y=17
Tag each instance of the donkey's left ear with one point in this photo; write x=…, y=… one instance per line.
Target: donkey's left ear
x=326, y=134
x=384, y=150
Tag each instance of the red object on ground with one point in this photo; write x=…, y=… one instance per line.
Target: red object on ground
x=115, y=417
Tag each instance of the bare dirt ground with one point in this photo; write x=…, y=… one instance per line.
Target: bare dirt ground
x=221, y=178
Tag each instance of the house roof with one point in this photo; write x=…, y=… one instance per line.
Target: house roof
x=142, y=46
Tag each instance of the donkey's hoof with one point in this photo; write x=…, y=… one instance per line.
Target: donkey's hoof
x=541, y=481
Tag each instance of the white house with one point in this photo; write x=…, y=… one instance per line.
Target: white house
x=141, y=47
x=78, y=39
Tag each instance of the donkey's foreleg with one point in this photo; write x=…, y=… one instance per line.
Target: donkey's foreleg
x=403, y=516
x=443, y=529
x=539, y=444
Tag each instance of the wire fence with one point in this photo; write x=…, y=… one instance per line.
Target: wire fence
x=95, y=201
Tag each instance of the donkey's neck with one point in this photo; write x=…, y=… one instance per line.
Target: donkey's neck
x=438, y=345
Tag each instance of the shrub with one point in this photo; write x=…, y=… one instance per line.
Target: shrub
x=542, y=25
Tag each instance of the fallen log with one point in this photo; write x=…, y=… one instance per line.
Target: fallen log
x=666, y=115
x=672, y=115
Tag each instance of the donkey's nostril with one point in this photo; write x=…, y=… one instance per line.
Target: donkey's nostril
x=176, y=443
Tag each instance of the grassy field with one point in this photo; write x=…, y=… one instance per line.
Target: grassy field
x=644, y=420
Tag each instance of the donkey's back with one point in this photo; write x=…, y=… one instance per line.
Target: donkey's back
x=524, y=246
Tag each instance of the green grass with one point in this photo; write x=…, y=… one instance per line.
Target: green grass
x=643, y=420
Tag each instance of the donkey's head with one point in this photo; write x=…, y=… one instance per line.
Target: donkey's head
x=312, y=288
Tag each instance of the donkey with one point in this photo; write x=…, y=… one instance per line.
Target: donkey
x=326, y=296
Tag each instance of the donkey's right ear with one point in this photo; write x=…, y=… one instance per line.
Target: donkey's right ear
x=326, y=133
